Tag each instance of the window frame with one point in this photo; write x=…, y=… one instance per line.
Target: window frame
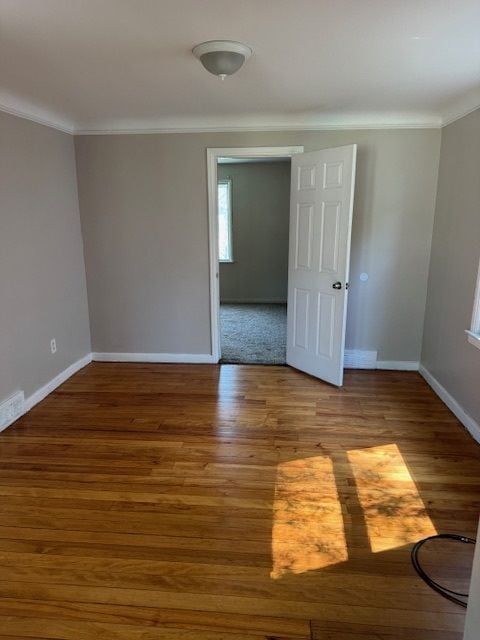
x=473, y=334
x=228, y=182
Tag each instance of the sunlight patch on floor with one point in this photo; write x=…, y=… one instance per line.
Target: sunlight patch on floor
x=308, y=530
x=394, y=512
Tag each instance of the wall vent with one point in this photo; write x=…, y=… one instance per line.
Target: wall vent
x=11, y=409
x=357, y=359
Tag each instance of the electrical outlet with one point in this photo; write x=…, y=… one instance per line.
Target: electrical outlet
x=53, y=345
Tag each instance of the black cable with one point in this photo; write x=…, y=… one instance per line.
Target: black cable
x=454, y=596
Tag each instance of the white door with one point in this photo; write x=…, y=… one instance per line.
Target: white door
x=321, y=204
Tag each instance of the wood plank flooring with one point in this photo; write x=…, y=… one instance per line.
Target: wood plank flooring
x=176, y=502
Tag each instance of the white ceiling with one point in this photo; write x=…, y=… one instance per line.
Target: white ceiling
x=126, y=65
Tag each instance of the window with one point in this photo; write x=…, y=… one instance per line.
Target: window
x=225, y=253
x=474, y=332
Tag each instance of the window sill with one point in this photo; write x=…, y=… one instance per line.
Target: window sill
x=226, y=261
x=473, y=338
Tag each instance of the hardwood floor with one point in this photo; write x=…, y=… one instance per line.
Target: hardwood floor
x=231, y=503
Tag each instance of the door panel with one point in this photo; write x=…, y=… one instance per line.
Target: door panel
x=329, y=237
x=320, y=227
x=301, y=317
x=303, y=244
x=325, y=328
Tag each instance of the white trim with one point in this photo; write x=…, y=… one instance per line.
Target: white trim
x=19, y=113
x=475, y=326
x=380, y=123
x=373, y=122
x=473, y=334
x=468, y=422
x=436, y=124
x=186, y=358
x=473, y=338
x=228, y=182
x=458, y=116
x=354, y=359
x=398, y=365
x=461, y=106
x=64, y=375
x=213, y=255
x=40, y=394
x=212, y=158
x=254, y=152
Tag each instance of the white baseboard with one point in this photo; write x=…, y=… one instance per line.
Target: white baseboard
x=252, y=301
x=43, y=392
x=468, y=422
x=398, y=365
x=38, y=395
x=186, y=358
x=354, y=359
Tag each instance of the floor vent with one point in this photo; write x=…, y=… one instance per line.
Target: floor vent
x=11, y=409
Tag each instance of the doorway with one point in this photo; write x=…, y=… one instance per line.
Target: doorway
x=321, y=206
x=248, y=284
x=253, y=201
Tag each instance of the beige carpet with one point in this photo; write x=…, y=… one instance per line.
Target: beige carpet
x=253, y=333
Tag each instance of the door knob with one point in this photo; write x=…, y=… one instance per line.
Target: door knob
x=337, y=285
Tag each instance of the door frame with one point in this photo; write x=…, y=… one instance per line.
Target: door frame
x=213, y=154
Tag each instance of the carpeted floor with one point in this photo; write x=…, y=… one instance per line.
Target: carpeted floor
x=253, y=333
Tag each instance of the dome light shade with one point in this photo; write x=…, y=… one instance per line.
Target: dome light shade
x=222, y=57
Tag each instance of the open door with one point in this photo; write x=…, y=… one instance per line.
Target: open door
x=321, y=204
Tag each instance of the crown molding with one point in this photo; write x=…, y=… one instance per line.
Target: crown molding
x=33, y=117
x=267, y=122
x=334, y=123
x=461, y=106
x=287, y=126
x=458, y=116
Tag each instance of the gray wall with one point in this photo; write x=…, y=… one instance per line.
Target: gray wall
x=143, y=202
x=42, y=272
x=453, y=271
x=260, y=217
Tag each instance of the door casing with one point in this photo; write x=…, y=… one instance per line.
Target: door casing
x=213, y=154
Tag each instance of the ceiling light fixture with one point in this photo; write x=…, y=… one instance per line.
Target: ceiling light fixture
x=222, y=57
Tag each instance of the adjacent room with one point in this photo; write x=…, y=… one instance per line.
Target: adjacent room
x=254, y=211
x=239, y=320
